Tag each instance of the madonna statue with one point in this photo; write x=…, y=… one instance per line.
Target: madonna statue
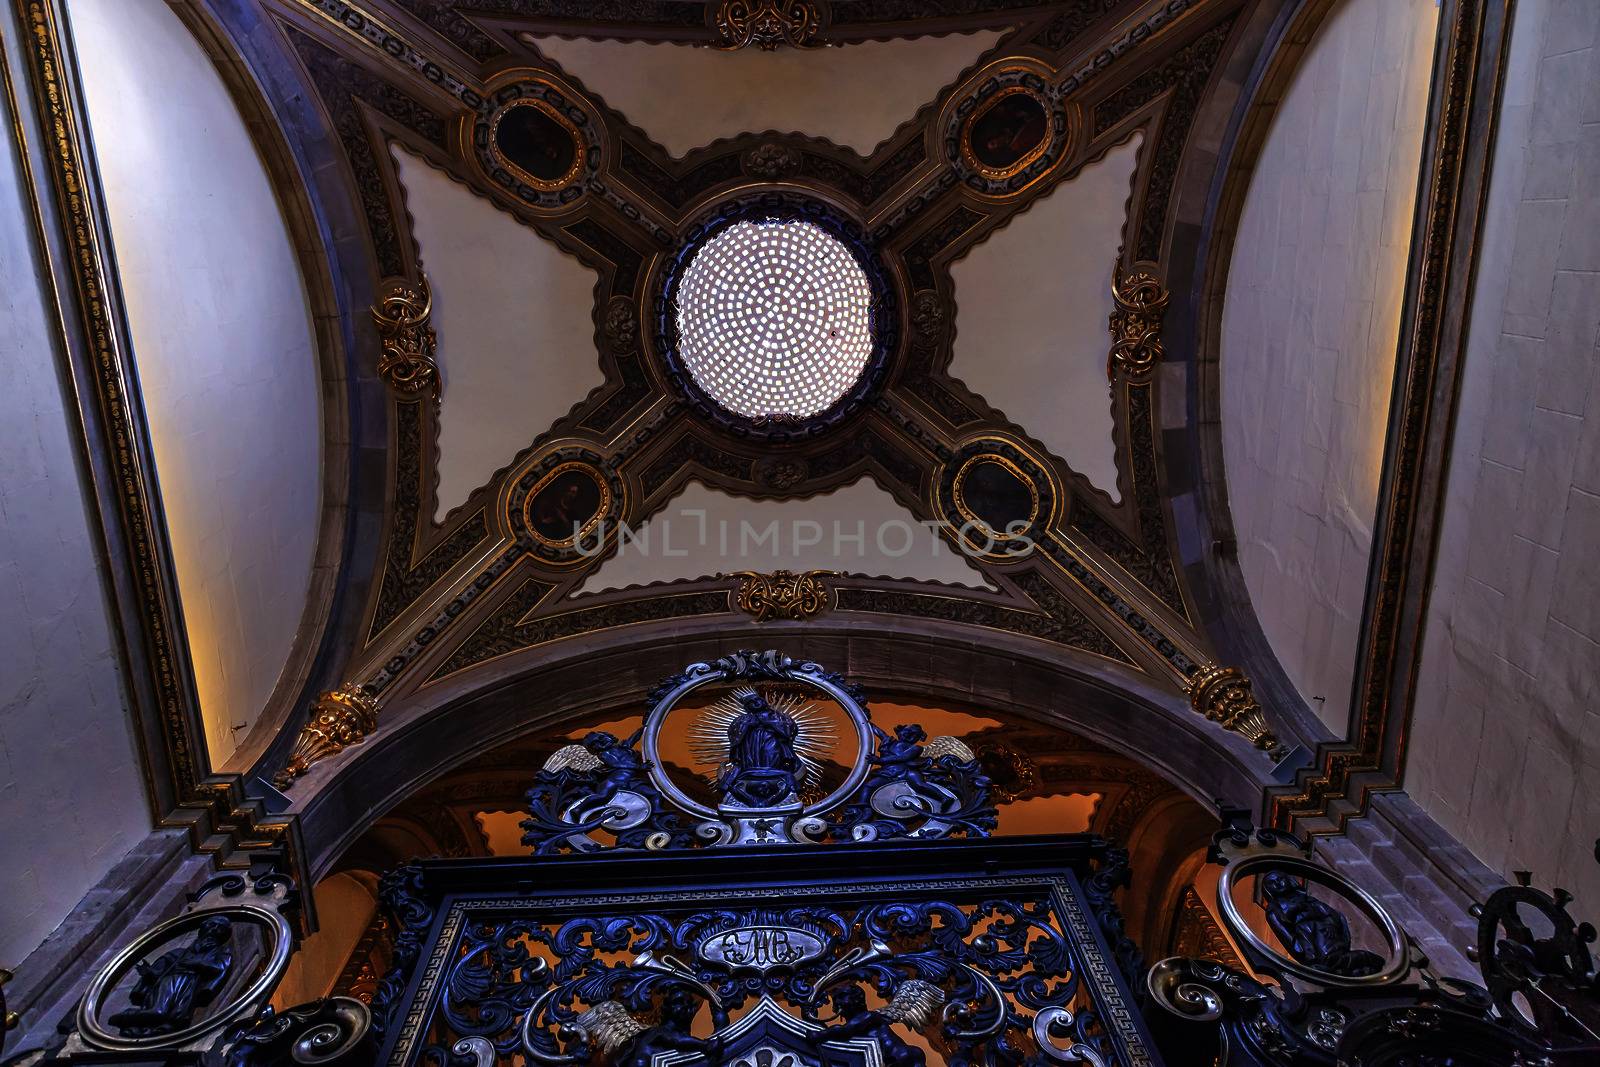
x=762, y=763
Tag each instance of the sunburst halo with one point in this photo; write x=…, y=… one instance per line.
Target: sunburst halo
x=814, y=735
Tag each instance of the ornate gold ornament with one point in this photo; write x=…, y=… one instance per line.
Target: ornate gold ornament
x=768, y=24
x=340, y=718
x=782, y=594
x=958, y=495
x=1224, y=695
x=407, y=365
x=1196, y=933
x=1141, y=301
x=564, y=520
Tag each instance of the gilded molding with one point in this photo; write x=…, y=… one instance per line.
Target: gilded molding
x=407, y=365
x=782, y=594
x=1141, y=303
x=768, y=24
x=1224, y=695
x=340, y=718
x=1197, y=934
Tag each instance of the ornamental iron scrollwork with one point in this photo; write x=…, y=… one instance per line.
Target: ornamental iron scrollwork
x=332, y=1030
x=340, y=718
x=1318, y=997
x=766, y=737
x=767, y=24
x=782, y=594
x=1554, y=975
x=408, y=364
x=983, y=971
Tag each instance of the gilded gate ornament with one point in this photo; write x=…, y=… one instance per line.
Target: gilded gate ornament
x=1141, y=302
x=782, y=594
x=1224, y=695
x=407, y=365
x=340, y=718
x=768, y=24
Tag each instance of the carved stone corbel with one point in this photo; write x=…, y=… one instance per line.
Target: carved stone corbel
x=1224, y=695
x=407, y=365
x=340, y=718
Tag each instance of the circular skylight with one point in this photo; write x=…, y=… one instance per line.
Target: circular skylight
x=774, y=318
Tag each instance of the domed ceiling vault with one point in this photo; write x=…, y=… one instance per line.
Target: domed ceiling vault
x=1100, y=584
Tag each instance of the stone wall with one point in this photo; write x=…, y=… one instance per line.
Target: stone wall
x=71, y=799
x=1506, y=727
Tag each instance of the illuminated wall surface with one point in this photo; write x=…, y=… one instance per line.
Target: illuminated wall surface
x=1309, y=331
x=223, y=343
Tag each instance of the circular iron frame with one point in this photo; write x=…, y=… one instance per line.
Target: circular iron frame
x=794, y=673
x=1397, y=963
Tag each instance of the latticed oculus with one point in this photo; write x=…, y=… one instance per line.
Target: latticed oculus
x=774, y=318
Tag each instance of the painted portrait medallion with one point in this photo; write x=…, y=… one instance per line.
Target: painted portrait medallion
x=536, y=141
x=566, y=505
x=991, y=490
x=1008, y=132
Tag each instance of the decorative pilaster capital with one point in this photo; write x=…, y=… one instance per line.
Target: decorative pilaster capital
x=1141, y=303
x=782, y=594
x=340, y=718
x=768, y=24
x=407, y=365
x=1225, y=696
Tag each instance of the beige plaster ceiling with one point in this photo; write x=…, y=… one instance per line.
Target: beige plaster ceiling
x=738, y=537
x=515, y=320
x=686, y=96
x=1031, y=309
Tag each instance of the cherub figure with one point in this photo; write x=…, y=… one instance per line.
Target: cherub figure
x=913, y=1005
x=620, y=768
x=901, y=759
x=1312, y=931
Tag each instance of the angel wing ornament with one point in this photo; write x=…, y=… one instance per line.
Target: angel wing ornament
x=572, y=757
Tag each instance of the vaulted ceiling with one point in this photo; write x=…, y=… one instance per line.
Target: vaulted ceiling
x=1040, y=300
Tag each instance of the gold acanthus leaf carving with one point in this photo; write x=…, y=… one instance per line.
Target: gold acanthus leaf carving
x=782, y=594
x=1224, y=695
x=768, y=24
x=1141, y=303
x=340, y=718
x=408, y=364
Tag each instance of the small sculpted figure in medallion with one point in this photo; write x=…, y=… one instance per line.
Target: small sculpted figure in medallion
x=179, y=983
